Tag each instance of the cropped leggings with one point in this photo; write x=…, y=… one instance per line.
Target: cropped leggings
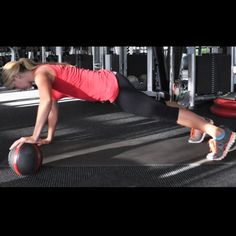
x=136, y=102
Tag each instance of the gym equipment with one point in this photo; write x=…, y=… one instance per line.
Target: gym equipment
x=26, y=159
x=225, y=103
x=213, y=74
x=134, y=80
x=225, y=107
x=223, y=112
x=136, y=64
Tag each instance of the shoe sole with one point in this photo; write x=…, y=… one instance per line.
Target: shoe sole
x=199, y=141
x=233, y=147
x=227, y=149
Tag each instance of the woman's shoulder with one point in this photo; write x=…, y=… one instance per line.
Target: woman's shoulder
x=45, y=68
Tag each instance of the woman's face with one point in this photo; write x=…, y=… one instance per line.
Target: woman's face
x=21, y=81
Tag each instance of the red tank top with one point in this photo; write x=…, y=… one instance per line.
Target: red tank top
x=89, y=85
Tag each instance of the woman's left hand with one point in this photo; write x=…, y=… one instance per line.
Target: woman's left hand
x=43, y=141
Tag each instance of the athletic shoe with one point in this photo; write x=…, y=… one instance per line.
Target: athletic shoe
x=219, y=149
x=196, y=135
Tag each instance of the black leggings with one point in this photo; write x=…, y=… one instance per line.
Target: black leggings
x=136, y=102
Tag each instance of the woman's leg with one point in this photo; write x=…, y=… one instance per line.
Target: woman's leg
x=136, y=102
x=133, y=101
x=223, y=139
x=189, y=119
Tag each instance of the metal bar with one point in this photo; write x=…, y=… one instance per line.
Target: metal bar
x=149, y=69
x=59, y=54
x=232, y=51
x=192, y=76
x=43, y=54
x=171, y=81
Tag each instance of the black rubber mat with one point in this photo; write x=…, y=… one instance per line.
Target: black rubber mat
x=81, y=125
x=99, y=146
x=123, y=176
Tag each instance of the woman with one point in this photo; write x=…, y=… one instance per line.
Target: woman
x=56, y=81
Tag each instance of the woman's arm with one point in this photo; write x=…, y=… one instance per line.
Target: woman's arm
x=52, y=122
x=44, y=84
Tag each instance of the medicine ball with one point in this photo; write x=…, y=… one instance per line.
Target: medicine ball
x=26, y=159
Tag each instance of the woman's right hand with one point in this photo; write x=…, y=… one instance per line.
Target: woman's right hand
x=19, y=142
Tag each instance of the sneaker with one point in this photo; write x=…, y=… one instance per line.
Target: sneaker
x=196, y=135
x=219, y=149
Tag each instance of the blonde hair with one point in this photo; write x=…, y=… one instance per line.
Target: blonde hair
x=12, y=68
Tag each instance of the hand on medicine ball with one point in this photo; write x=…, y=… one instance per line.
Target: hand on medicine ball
x=43, y=141
x=19, y=142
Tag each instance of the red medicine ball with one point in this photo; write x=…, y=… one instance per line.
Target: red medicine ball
x=26, y=159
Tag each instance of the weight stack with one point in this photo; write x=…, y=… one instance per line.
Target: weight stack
x=213, y=74
x=136, y=64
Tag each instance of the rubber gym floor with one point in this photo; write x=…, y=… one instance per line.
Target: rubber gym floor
x=97, y=145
